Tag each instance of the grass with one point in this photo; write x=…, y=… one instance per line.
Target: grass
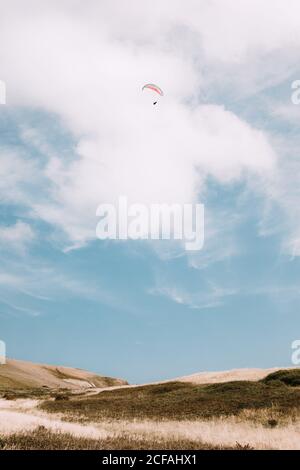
x=42, y=439
x=181, y=401
x=38, y=393
x=14, y=394
x=172, y=416
x=288, y=377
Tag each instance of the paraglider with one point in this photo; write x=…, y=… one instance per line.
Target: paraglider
x=155, y=89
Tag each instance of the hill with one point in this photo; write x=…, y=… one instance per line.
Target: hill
x=26, y=375
x=235, y=375
x=276, y=395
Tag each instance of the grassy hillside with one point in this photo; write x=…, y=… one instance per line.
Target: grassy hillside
x=16, y=375
x=229, y=415
x=288, y=377
x=184, y=401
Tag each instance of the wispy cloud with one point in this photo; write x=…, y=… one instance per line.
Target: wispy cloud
x=211, y=297
x=17, y=236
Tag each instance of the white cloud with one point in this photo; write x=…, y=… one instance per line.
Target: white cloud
x=16, y=236
x=15, y=172
x=10, y=280
x=21, y=309
x=28, y=285
x=88, y=66
x=219, y=225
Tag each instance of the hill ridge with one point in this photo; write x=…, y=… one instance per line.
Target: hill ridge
x=25, y=374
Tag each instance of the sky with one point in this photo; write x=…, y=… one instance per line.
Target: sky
x=76, y=132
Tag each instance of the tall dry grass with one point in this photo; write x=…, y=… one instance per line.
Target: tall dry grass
x=250, y=428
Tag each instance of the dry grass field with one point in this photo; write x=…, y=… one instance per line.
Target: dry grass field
x=262, y=414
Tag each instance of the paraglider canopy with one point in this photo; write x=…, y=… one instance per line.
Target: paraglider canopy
x=154, y=88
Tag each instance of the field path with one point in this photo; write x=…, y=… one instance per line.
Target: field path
x=23, y=415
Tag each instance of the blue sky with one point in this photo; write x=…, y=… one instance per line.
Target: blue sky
x=76, y=132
